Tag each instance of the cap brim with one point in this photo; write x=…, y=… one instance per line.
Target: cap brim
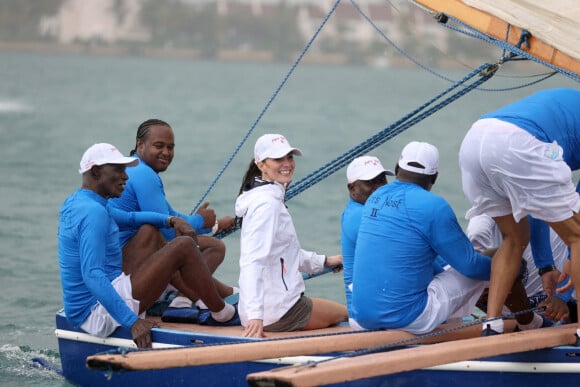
x=294, y=151
x=369, y=176
x=127, y=161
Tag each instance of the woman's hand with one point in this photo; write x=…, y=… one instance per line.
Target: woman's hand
x=254, y=328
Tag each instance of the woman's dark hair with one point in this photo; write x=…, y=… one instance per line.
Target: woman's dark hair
x=143, y=131
x=252, y=172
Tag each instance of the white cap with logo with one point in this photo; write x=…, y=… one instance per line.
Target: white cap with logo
x=103, y=153
x=273, y=146
x=422, y=153
x=365, y=168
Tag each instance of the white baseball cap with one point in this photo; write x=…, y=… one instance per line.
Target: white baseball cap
x=421, y=153
x=103, y=153
x=365, y=168
x=273, y=146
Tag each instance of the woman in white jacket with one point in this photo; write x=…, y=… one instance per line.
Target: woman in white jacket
x=271, y=261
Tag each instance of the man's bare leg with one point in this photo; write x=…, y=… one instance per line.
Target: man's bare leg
x=181, y=255
x=569, y=231
x=505, y=264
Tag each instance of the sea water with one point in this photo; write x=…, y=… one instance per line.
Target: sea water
x=53, y=107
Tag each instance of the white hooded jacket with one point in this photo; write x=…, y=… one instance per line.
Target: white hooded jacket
x=271, y=260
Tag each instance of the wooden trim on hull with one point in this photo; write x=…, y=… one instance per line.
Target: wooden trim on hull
x=496, y=27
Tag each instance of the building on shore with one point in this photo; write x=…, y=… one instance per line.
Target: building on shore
x=347, y=36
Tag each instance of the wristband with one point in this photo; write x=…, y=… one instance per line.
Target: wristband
x=546, y=269
x=215, y=227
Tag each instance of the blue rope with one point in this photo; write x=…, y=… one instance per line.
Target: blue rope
x=408, y=120
x=485, y=71
x=274, y=95
x=394, y=129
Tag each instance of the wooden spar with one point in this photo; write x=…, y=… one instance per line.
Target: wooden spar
x=260, y=350
x=497, y=28
x=354, y=368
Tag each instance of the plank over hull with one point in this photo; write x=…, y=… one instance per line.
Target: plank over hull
x=554, y=40
x=344, y=370
x=263, y=349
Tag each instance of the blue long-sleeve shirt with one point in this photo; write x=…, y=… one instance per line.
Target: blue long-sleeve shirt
x=403, y=229
x=350, y=222
x=144, y=192
x=89, y=255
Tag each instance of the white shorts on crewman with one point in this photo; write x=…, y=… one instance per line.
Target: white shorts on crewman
x=100, y=323
x=451, y=296
x=505, y=170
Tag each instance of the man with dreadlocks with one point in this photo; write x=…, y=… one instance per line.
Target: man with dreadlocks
x=154, y=147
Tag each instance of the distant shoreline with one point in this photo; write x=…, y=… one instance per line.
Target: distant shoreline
x=230, y=55
x=175, y=53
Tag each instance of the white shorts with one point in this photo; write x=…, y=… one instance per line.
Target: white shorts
x=100, y=323
x=451, y=296
x=505, y=170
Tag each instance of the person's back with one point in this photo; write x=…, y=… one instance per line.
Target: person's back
x=549, y=115
x=401, y=227
x=404, y=227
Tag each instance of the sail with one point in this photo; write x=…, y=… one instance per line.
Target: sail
x=553, y=24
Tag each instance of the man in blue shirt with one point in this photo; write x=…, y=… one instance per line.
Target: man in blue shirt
x=518, y=161
x=404, y=228
x=98, y=296
x=155, y=148
x=364, y=175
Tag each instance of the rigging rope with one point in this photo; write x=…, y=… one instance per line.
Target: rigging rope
x=485, y=72
x=274, y=95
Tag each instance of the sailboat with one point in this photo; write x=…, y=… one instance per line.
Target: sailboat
x=188, y=354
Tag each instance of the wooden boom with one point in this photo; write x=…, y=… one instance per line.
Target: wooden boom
x=497, y=28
